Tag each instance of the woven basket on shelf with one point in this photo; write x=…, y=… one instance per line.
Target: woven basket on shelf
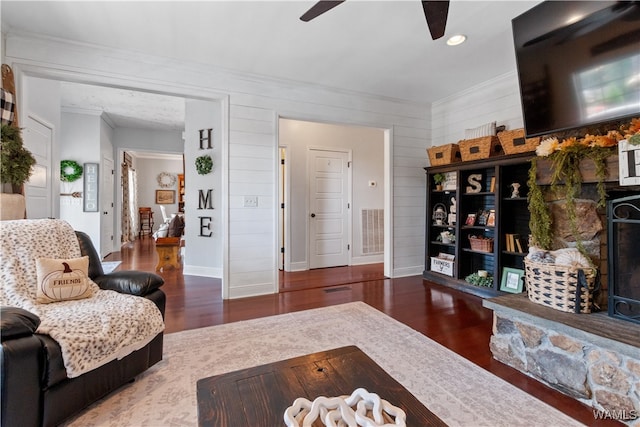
x=565, y=288
x=480, y=148
x=480, y=244
x=514, y=142
x=444, y=154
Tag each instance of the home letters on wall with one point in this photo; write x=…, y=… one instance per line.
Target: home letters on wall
x=205, y=197
x=208, y=138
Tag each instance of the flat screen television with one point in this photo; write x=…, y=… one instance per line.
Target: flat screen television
x=578, y=64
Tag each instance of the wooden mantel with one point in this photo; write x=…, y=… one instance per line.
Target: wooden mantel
x=587, y=169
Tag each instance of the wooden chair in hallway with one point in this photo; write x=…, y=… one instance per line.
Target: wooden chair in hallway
x=145, y=221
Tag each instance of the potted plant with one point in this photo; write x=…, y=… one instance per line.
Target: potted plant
x=446, y=237
x=16, y=163
x=438, y=179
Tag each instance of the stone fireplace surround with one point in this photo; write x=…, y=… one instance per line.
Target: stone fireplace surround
x=591, y=357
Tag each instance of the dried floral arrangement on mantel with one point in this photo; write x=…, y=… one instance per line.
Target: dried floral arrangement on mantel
x=565, y=156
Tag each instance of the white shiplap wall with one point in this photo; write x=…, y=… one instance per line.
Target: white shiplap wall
x=409, y=154
x=494, y=100
x=255, y=103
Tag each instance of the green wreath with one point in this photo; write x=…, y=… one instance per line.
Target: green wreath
x=70, y=170
x=204, y=164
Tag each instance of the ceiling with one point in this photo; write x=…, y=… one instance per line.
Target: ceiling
x=375, y=47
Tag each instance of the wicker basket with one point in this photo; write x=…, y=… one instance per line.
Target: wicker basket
x=481, y=244
x=480, y=148
x=444, y=154
x=565, y=288
x=514, y=142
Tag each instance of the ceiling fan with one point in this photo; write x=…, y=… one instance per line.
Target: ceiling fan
x=434, y=11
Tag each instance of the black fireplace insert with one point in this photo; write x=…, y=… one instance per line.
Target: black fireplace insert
x=623, y=217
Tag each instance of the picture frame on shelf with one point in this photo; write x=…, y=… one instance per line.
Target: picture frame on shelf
x=491, y=219
x=512, y=280
x=450, y=181
x=471, y=219
x=165, y=197
x=482, y=218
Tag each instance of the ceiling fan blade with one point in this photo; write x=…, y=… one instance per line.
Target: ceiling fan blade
x=436, y=13
x=318, y=9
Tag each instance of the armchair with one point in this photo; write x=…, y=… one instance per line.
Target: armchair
x=35, y=387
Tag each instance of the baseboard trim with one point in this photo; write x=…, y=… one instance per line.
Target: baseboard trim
x=298, y=266
x=408, y=271
x=250, y=290
x=193, y=270
x=370, y=259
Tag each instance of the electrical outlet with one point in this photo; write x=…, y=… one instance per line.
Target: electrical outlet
x=250, y=201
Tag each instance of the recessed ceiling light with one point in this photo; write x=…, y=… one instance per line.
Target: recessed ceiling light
x=456, y=40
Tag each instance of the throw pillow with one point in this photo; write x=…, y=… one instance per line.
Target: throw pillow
x=488, y=129
x=62, y=279
x=176, y=226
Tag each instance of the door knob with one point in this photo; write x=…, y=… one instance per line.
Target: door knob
x=313, y=215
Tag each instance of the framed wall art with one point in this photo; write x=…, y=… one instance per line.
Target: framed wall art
x=165, y=197
x=90, y=202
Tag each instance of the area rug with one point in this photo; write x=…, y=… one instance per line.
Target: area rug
x=109, y=266
x=456, y=390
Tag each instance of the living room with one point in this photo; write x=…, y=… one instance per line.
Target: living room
x=246, y=110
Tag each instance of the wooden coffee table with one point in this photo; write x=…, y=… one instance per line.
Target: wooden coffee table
x=259, y=396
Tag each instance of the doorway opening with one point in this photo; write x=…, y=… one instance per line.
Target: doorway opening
x=333, y=196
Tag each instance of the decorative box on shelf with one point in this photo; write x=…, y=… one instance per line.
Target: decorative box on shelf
x=480, y=148
x=481, y=244
x=514, y=142
x=444, y=154
x=443, y=263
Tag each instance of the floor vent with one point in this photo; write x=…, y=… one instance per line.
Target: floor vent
x=338, y=289
x=372, y=231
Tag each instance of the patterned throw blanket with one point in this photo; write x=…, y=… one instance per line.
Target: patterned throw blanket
x=91, y=331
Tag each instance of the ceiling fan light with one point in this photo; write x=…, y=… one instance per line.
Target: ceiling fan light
x=456, y=40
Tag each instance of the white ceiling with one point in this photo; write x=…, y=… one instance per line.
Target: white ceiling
x=376, y=47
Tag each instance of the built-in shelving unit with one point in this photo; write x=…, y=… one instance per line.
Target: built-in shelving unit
x=474, y=188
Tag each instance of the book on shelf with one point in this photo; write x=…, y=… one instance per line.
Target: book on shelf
x=513, y=243
x=519, y=245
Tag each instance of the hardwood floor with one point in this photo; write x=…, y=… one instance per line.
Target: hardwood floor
x=454, y=319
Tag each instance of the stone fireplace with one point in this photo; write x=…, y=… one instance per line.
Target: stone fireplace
x=594, y=358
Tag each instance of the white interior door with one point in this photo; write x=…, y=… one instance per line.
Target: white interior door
x=106, y=197
x=329, y=208
x=38, y=138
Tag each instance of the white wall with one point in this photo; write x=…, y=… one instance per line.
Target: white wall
x=204, y=229
x=254, y=103
x=148, y=140
x=367, y=145
x=494, y=100
x=80, y=141
x=147, y=171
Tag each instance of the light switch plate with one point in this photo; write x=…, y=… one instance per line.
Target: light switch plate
x=250, y=201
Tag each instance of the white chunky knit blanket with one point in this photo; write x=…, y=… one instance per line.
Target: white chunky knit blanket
x=91, y=331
